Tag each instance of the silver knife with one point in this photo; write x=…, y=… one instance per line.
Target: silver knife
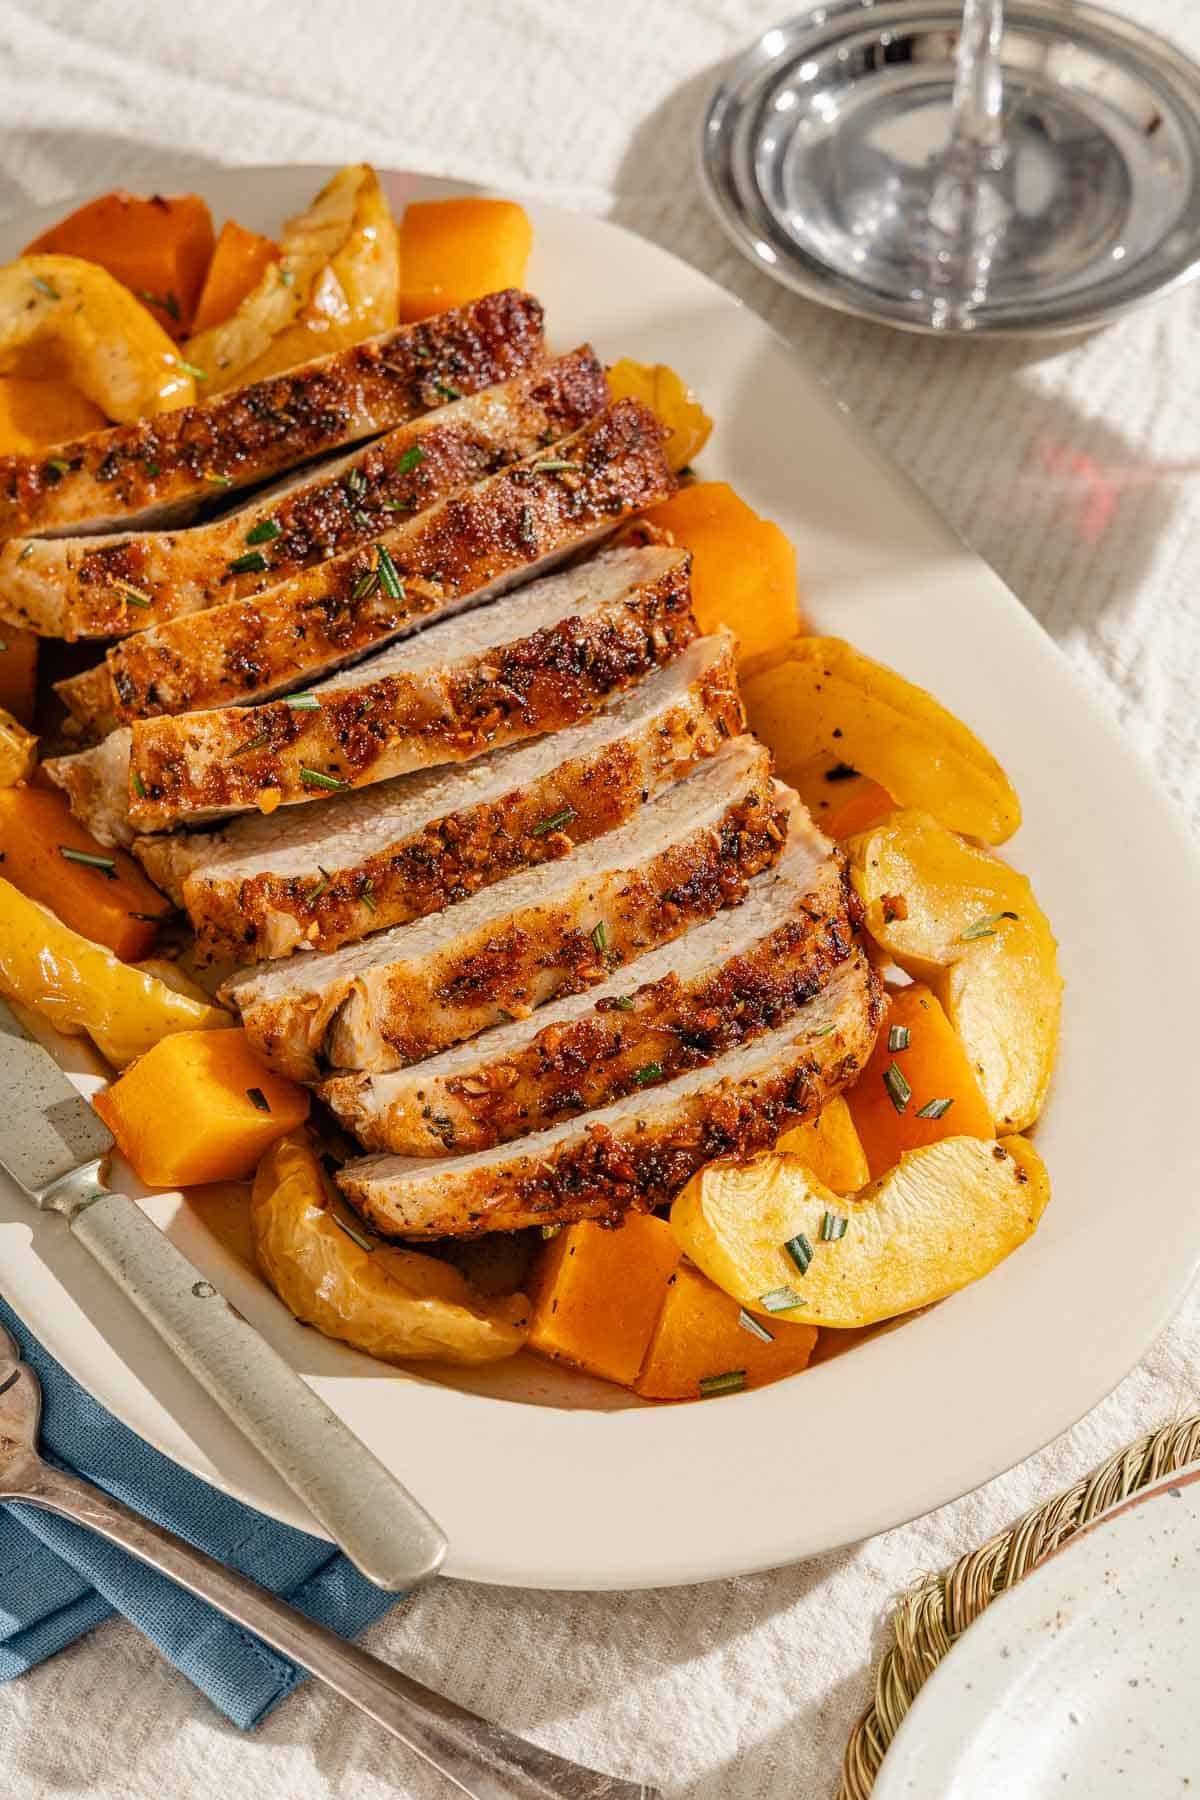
x=54, y=1147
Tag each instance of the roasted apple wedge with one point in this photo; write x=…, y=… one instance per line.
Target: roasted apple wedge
x=780, y=1241
x=818, y=696
x=951, y=914
x=391, y=1303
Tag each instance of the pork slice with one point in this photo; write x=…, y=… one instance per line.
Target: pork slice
x=165, y=468
x=262, y=887
x=535, y=661
x=416, y=989
x=126, y=584
x=744, y=972
x=639, y=1152
x=461, y=552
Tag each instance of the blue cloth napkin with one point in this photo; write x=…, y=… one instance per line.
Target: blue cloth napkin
x=57, y=1580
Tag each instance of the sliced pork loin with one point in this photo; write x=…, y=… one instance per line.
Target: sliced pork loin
x=741, y=973
x=468, y=549
x=263, y=887
x=637, y=1153
x=536, y=661
x=112, y=585
x=418, y=988
x=166, y=467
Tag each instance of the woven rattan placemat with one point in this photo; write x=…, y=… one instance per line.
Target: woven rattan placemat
x=929, y=1620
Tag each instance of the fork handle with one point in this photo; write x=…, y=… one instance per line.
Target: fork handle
x=481, y=1759
x=368, y=1513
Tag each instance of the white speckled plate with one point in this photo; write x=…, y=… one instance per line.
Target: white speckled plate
x=1081, y=1681
x=544, y=1480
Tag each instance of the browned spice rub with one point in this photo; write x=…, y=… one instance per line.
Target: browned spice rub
x=235, y=760
x=199, y=452
x=106, y=585
x=531, y=513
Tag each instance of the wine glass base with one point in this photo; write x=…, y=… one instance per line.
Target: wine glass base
x=825, y=155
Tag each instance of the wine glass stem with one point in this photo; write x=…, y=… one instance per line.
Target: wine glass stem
x=977, y=124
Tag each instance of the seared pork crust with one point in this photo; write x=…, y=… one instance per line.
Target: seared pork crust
x=403, y=1007
x=626, y=1043
x=638, y=1153
x=177, y=460
x=477, y=541
x=210, y=763
x=332, y=900
x=114, y=585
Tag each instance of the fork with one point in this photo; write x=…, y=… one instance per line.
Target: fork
x=481, y=1759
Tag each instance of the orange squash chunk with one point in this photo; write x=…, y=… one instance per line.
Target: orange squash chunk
x=238, y=263
x=102, y=904
x=698, y=1340
x=597, y=1294
x=18, y=671
x=830, y=1146
x=199, y=1107
x=933, y=1065
x=743, y=567
x=36, y=411
x=158, y=246
x=452, y=251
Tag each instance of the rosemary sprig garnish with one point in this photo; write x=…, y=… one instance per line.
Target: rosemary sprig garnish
x=256, y=1097
x=302, y=703
x=899, y=1037
x=106, y=864
x=389, y=574
x=933, y=1109
x=45, y=287
x=731, y=1382
x=985, y=927
x=800, y=1251
x=264, y=531
x=898, y=1089
x=253, y=562
x=255, y=743
x=781, y=1299
x=600, y=937
x=318, y=779
x=412, y=459
x=755, y=1327
x=833, y=1227
x=555, y=822
x=648, y=1072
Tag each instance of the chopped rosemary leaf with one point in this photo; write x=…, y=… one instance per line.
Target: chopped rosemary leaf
x=355, y=483
x=822, y=1031
x=800, y=1251
x=933, y=1109
x=550, y=1231
x=367, y=896
x=362, y=520
x=256, y=1097
x=732, y=1382
x=219, y=480
x=899, y=1037
x=755, y=1327
x=264, y=531
x=553, y=466
x=366, y=584
x=252, y=563
x=986, y=927
x=898, y=1089
x=352, y=1231
x=153, y=470
x=623, y=1003
x=833, y=1227
x=287, y=276
x=318, y=779
x=648, y=1072
x=60, y=465
x=446, y=391
x=389, y=574
x=412, y=459
x=303, y=703
x=191, y=369
x=107, y=864
x=781, y=1299
x=27, y=551
x=600, y=937
x=325, y=881
x=165, y=303
x=395, y=505
x=255, y=743
x=139, y=786
x=133, y=596
x=45, y=287
x=555, y=822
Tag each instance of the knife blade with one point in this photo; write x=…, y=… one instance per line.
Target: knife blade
x=55, y=1147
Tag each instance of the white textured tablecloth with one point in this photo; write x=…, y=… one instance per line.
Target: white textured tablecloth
x=742, y=1690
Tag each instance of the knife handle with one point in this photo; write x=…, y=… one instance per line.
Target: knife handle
x=385, y=1532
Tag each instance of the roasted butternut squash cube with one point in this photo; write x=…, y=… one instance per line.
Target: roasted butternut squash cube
x=159, y=246
x=918, y=1086
x=18, y=671
x=700, y=1346
x=830, y=1146
x=596, y=1294
x=667, y=394
x=239, y=262
x=199, y=1107
x=743, y=567
x=51, y=857
x=452, y=251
